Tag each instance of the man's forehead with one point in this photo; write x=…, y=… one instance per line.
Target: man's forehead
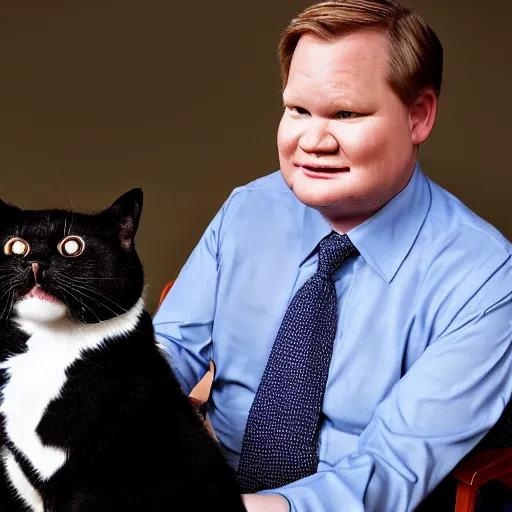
x=355, y=49
x=344, y=60
x=353, y=61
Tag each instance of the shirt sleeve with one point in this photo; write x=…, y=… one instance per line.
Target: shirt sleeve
x=438, y=411
x=183, y=323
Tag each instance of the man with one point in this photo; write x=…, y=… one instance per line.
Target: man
x=413, y=357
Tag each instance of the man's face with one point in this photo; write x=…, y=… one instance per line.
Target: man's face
x=345, y=139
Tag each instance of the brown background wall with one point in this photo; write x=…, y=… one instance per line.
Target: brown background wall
x=183, y=100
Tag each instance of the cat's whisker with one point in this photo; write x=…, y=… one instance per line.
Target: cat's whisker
x=99, y=278
x=15, y=276
x=67, y=304
x=8, y=304
x=72, y=214
x=11, y=304
x=5, y=282
x=6, y=308
x=8, y=276
x=80, y=301
x=10, y=286
x=87, y=288
x=75, y=288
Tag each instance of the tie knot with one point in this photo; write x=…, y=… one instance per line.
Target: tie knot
x=332, y=250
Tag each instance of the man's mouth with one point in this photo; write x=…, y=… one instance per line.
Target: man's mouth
x=325, y=170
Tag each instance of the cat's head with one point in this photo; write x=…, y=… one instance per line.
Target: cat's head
x=59, y=263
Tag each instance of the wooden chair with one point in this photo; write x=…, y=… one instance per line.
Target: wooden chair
x=165, y=291
x=490, y=460
x=483, y=464
x=478, y=469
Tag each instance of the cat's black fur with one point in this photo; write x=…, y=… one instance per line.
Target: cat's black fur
x=133, y=441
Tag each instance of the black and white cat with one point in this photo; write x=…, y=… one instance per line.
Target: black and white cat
x=91, y=416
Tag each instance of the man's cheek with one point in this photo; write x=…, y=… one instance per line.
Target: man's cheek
x=366, y=146
x=287, y=137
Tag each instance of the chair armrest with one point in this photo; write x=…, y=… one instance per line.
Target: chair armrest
x=485, y=465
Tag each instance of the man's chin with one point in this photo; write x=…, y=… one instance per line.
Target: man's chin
x=319, y=196
x=336, y=206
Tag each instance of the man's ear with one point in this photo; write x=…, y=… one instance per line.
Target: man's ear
x=423, y=116
x=126, y=213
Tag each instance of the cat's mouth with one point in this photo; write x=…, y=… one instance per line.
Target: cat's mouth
x=38, y=293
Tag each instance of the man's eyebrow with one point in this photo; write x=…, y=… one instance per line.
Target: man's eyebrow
x=340, y=103
x=292, y=97
x=288, y=95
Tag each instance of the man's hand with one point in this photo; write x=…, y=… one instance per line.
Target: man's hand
x=265, y=503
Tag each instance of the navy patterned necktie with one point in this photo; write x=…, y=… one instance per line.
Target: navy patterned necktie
x=280, y=443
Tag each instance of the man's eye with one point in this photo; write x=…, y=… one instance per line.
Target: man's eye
x=345, y=114
x=298, y=110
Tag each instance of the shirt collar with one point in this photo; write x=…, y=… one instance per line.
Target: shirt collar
x=386, y=238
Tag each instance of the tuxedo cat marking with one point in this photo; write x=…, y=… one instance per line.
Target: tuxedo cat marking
x=51, y=350
x=92, y=418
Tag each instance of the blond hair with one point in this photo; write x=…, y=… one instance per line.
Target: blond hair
x=416, y=54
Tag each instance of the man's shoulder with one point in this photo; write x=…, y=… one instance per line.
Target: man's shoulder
x=456, y=225
x=268, y=184
x=269, y=193
x=254, y=208
x=465, y=259
x=462, y=263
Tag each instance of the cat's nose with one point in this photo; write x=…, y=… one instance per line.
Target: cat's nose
x=38, y=269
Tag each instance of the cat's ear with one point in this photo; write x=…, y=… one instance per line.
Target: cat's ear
x=126, y=212
x=7, y=209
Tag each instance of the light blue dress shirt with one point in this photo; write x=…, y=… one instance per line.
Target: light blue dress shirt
x=422, y=361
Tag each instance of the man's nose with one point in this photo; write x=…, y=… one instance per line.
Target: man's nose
x=318, y=139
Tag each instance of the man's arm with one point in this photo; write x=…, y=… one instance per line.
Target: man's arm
x=439, y=410
x=183, y=323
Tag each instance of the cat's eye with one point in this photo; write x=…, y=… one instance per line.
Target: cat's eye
x=71, y=246
x=17, y=246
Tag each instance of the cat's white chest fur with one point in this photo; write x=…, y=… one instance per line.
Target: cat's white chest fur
x=37, y=377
